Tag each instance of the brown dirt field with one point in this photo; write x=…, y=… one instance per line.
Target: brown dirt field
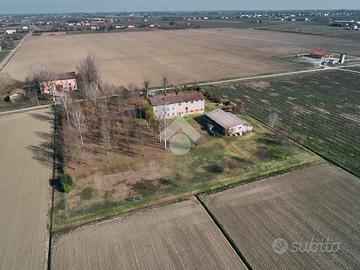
x=178, y=236
x=24, y=190
x=184, y=55
x=316, y=203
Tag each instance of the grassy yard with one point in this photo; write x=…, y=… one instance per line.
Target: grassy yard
x=3, y=54
x=127, y=183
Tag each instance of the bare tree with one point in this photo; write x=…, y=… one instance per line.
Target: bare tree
x=106, y=128
x=78, y=120
x=43, y=79
x=65, y=103
x=91, y=92
x=165, y=83
x=88, y=73
x=146, y=85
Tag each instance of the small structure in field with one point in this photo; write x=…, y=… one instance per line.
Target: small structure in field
x=227, y=123
x=319, y=54
x=178, y=105
x=62, y=82
x=17, y=95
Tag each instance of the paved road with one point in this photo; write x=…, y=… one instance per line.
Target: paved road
x=6, y=60
x=24, y=189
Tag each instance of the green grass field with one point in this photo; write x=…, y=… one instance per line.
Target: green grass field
x=319, y=110
x=3, y=54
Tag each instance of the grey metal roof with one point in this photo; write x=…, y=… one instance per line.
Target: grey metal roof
x=225, y=119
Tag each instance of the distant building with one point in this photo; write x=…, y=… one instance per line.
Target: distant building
x=10, y=31
x=178, y=105
x=227, y=123
x=17, y=95
x=63, y=82
x=318, y=54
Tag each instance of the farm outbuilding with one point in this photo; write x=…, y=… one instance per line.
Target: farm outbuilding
x=16, y=95
x=318, y=54
x=227, y=123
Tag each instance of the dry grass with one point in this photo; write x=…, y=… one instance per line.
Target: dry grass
x=184, y=55
x=24, y=183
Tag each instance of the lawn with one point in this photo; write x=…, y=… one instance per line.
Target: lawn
x=3, y=54
x=106, y=186
x=319, y=110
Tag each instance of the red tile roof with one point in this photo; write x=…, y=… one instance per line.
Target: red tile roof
x=320, y=53
x=173, y=98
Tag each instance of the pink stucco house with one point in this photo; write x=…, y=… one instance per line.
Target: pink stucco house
x=62, y=82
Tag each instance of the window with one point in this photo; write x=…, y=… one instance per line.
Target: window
x=186, y=108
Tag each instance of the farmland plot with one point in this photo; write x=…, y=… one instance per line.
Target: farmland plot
x=24, y=182
x=183, y=55
x=315, y=205
x=178, y=236
x=319, y=110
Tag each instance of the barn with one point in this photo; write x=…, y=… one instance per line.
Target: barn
x=227, y=123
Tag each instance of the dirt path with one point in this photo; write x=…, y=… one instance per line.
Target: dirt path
x=24, y=186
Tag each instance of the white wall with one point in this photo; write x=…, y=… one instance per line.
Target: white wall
x=239, y=129
x=180, y=109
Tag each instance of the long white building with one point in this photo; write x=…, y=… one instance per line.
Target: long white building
x=178, y=105
x=227, y=123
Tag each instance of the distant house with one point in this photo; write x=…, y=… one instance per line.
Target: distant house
x=10, y=31
x=227, y=123
x=17, y=95
x=178, y=105
x=62, y=82
x=318, y=54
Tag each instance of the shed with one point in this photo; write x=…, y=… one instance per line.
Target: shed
x=227, y=123
x=318, y=54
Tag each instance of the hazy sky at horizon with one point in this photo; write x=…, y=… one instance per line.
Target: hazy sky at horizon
x=57, y=6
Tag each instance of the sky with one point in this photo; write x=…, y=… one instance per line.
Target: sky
x=59, y=6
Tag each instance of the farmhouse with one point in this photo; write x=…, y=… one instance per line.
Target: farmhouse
x=62, y=82
x=178, y=105
x=227, y=123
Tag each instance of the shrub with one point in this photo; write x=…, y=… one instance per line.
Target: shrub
x=65, y=182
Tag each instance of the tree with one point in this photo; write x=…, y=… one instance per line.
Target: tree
x=287, y=146
x=77, y=119
x=106, y=127
x=91, y=91
x=65, y=182
x=42, y=78
x=146, y=87
x=88, y=74
x=165, y=83
x=65, y=103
